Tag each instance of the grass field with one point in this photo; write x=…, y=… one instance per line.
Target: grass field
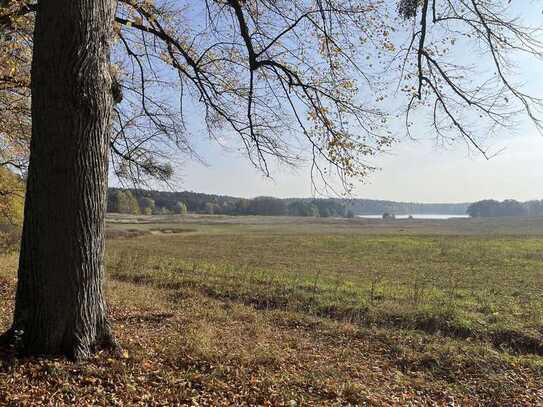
x=298, y=311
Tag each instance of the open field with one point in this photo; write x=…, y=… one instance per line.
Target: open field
x=298, y=311
x=288, y=224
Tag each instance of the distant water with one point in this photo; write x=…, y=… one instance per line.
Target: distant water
x=415, y=216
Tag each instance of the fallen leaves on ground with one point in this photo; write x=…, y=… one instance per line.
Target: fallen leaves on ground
x=185, y=349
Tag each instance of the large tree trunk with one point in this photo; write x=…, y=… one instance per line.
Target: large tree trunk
x=60, y=308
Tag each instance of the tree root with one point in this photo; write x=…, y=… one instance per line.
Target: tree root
x=78, y=351
x=7, y=339
x=105, y=342
x=108, y=342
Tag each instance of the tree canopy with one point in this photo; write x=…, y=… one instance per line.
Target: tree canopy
x=15, y=58
x=317, y=83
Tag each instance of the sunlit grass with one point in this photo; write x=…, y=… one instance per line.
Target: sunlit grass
x=460, y=286
x=269, y=312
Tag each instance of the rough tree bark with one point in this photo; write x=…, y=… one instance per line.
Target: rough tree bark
x=60, y=308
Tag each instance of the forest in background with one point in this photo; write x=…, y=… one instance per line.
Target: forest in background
x=490, y=208
x=121, y=200
x=150, y=202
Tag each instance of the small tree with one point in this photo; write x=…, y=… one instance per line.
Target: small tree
x=133, y=205
x=147, y=205
x=121, y=202
x=125, y=202
x=181, y=208
x=164, y=211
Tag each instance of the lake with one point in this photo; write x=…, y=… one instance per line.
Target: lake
x=418, y=216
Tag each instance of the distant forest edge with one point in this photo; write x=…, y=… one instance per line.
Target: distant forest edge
x=490, y=208
x=134, y=201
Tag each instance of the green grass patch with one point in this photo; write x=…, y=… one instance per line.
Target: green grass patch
x=485, y=288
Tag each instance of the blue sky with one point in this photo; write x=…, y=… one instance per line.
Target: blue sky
x=418, y=170
x=412, y=171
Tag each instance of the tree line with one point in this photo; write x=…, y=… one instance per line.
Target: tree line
x=137, y=202
x=509, y=207
x=149, y=202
